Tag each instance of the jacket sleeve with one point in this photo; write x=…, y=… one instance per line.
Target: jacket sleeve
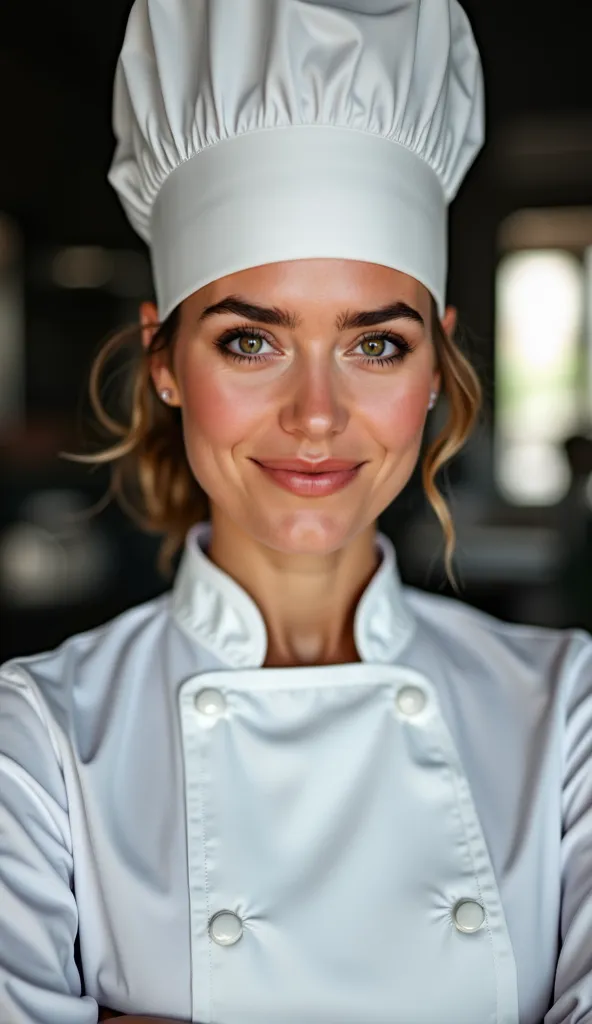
x=573, y=979
x=39, y=979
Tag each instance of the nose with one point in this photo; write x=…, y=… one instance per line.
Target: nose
x=316, y=404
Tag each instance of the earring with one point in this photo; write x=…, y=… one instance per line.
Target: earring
x=433, y=397
x=166, y=394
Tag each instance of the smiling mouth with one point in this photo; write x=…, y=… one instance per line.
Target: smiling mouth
x=309, y=472
x=311, y=484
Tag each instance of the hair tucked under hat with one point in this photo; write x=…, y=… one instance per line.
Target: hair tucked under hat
x=255, y=131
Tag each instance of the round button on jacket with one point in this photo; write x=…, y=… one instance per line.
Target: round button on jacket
x=210, y=702
x=225, y=928
x=468, y=915
x=411, y=700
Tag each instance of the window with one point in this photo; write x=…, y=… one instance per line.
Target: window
x=543, y=357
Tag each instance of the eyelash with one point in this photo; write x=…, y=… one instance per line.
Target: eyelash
x=222, y=343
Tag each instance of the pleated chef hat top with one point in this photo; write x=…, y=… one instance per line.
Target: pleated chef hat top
x=256, y=131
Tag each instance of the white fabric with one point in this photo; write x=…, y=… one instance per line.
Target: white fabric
x=254, y=131
x=339, y=813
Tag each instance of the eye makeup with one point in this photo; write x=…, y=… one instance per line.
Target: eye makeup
x=403, y=347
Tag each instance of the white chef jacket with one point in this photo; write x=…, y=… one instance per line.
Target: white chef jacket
x=407, y=839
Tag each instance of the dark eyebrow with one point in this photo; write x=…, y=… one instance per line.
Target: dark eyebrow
x=284, y=318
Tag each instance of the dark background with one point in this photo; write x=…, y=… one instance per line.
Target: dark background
x=56, y=70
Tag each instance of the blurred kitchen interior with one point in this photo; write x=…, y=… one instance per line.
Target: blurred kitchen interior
x=71, y=270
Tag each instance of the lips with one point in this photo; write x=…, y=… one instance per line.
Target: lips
x=311, y=485
x=313, y=468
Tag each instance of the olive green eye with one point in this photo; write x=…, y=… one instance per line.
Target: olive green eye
x=372, y=342
x=250, y=340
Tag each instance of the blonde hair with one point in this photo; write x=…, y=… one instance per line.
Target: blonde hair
x=150, y=475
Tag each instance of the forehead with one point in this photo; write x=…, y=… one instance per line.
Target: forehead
x=317, y=286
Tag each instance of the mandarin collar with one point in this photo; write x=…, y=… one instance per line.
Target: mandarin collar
x=216, y=611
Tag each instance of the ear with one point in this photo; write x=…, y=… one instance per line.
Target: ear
x=159, y=369
x=150, y=322
x=449, y=320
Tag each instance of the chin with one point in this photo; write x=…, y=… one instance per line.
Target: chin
x=307, y=533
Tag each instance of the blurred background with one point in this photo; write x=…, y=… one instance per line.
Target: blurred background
x=72, y=270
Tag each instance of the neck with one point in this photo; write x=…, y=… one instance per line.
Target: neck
x=308, y=601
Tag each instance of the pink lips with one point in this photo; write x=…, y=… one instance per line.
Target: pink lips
x=303, y=466
x=311, y=484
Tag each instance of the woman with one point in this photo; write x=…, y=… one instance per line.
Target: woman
x=291, y=788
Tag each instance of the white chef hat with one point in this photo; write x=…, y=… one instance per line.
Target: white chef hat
x=255, y=131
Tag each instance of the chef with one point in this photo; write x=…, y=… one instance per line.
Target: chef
x=291, y=789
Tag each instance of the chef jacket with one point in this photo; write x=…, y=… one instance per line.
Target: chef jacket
x=406, y=839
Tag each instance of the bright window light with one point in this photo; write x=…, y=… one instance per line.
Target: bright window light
x=539, y=323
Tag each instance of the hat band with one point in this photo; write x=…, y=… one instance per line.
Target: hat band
x=300, y=192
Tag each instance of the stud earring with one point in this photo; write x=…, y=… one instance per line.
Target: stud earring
x=166, y=394
x=433, y=397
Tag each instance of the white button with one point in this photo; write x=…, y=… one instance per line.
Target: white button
x=411, y=700
x=210, y=702
x=225, y=928
x=468, y=916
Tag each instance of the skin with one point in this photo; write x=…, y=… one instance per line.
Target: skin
x=304, y=561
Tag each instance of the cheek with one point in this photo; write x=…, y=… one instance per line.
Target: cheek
x=397, y=419
x=216, y=415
